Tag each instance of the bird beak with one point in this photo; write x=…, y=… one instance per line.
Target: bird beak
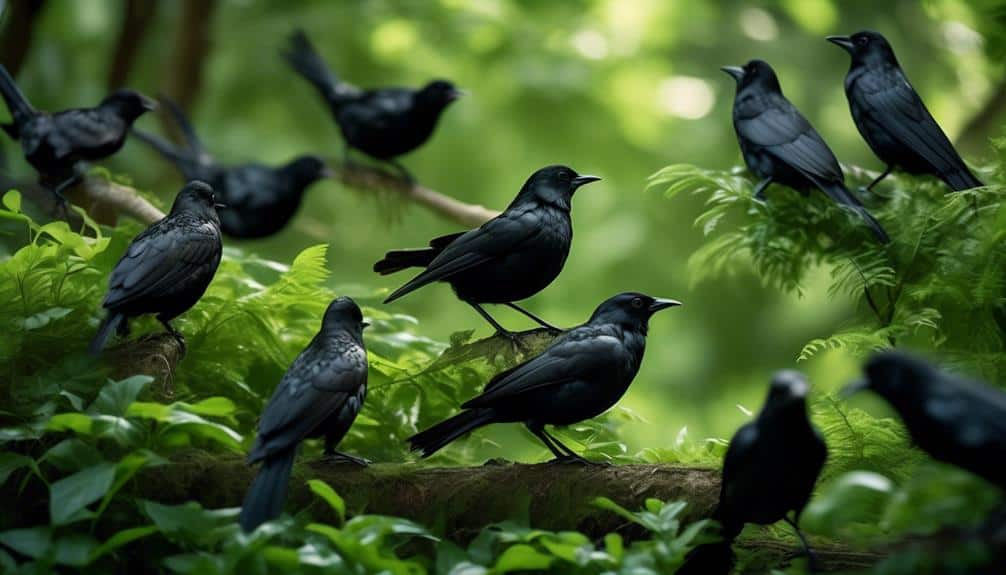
x=455, y=94
x=149, y=104
x=583, y=181
x=219, y=206
x=365, y=324
x=842, y=41
x=854, y=388
x=327, y=172
x=735, y=71
x=660, y=303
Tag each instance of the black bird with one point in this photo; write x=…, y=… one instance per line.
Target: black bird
x=769, y=471
x=580, y=375
x=320, y=395
x=779, y=144
x=956, y=420
x=892, y=118
x=383, y=123
x=167, y=268
x=509, y=258
x=55, y=144
x=260, y=199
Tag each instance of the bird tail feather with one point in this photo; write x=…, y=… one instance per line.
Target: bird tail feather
x=112, y=322
x=20, y=109
x=398, y=260
x=841, y=195
x=267, y=494
x=306, y=61
x=433, y=439
x=185, y=161
x=962, y=179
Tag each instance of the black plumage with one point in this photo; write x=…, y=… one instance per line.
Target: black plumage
x=383, y=123
x=55, y=144
x=893, y=119
x=954, y=419
x=167, y=268
x=319, y=396
x=509, y=258
x=779, y=144
x=583, y=373
x=261, y=200
x=769, y=472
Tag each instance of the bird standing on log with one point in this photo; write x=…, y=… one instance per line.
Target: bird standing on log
x=956, y=420
x=779, y=144
x=320, y=395
x=383, y=123
x=509, y=258
x=769, y=471
x=582, y=374
x=56, y=144
x=893, y=119
x=167, y=268
x=261, y=200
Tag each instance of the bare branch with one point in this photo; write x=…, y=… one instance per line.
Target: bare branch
x=103, y=200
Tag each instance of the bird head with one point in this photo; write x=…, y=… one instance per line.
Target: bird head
x=197, y=197
x=439, y=94
x=866, y=47
x=788, y=389
x=631, y=309
x=305, y=170
x=895, y=376
x=554, y=185
x=344, y=314
x=129, y=104
x=756, y=73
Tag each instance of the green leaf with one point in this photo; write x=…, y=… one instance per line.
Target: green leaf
x=31, y=542
x=70, y=495
x=12, y=201
x=42, y=318
x=521, y=557
x=74, y=549
x=11, y=462
x=76, y=422
x=188, y=521
x=116, y=396
x=72, y=455
x=325, y=491
x=211, y=407
x=124, y=537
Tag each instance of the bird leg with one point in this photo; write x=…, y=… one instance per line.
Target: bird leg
x=811, y=557
x=534, y=318
x=759, y=193
x=500, y=330
x=407, y=176
x=563, y=454
x=869, y=187
x=334, y=456
x=175, y=334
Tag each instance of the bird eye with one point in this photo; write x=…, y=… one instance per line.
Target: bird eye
x=862, y=40
x=637, y=302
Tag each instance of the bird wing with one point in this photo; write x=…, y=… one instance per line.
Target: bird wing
x=318, y=382
x=892, y=103
x=499, y=236
x=783, y=132
x=739, y=458
x=376, y=109
x=161, y=257
x=974, y=411
x=84, y=128
x=580, y=354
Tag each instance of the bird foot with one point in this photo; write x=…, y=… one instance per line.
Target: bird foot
x=339, y=458
x=514, y=339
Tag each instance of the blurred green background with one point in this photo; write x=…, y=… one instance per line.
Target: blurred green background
x=616, y=88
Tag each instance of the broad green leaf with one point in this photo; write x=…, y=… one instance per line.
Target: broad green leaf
x=12, y=201
x=76, y=422
x=521, y=557
x=188, y=521
x=116, y=396
x=11, y=462
x=211, y=406
x=72, y=455
x=31, y=541
x=124, y=537
x=42, y=318
x=74, y=549
x=72, y=494
x=325, y=491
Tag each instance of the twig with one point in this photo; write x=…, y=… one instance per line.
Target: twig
x=371, y=178
x=104, y=200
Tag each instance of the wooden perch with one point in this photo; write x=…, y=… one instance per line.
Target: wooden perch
x=102, y=199
x=365, y=177
x=463, y=500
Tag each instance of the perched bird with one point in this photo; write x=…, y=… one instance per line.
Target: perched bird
x=55, y=144
x=320, y=395
x=780, y=145
x=509, y=258
x=957, y=420
x=383, y=123
x=260, y=199
x=892, y=118
x=769, y=471
x=167, y=268
x=580, y=375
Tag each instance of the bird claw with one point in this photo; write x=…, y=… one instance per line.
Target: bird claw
x=514, y=339
x=338, y=458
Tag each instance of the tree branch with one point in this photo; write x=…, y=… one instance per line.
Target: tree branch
x=103, y=200
x=138, y=15
x=185, y=71
x=374, y=179
x=17, y=35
